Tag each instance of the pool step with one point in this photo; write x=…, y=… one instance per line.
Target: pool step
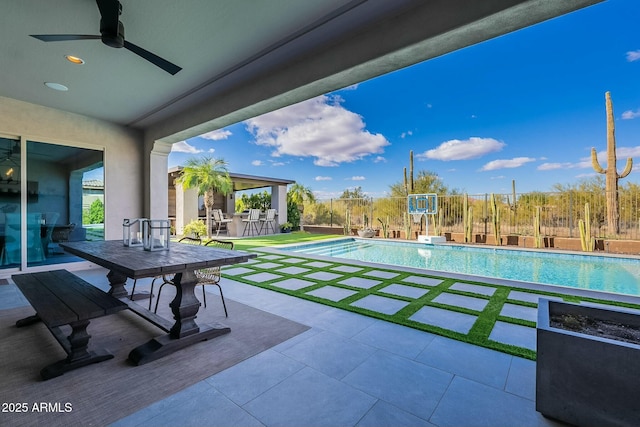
x=338, y=250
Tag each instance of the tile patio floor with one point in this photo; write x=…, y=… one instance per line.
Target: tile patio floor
x=352, y=370
x=349, y=370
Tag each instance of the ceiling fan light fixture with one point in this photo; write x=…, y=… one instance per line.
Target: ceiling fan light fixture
x=74, y=59
x=56, y=86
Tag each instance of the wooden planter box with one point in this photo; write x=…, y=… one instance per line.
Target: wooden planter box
x=582, y=379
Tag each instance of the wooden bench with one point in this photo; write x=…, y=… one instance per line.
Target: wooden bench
x=62, y=298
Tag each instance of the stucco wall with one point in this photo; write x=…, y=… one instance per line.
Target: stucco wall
x=123, y=152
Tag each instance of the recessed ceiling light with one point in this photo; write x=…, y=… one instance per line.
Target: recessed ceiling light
x=74, y=59
x=56, y=86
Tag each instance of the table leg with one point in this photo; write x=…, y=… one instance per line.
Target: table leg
x=185, y=330
x=185, y=305
x=117, y=282
x=77, y=351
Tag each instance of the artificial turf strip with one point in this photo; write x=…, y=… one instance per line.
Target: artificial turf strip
x=477, y=335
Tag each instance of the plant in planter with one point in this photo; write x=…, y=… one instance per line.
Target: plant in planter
x=285, y=227
x=366, y=231
x=195, y=228
x=582, y=378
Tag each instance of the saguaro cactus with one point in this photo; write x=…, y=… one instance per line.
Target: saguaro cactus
x=611, y=173
x=513, y=206
x=465, y=216
x=408, y=184
x=347, y=223
x=495, y=209
x=437, y=225
x=584, y=225
x=407, y=225
x=468, y=226
x=537, y=235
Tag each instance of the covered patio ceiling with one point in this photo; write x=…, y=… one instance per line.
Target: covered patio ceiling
x=239, y=58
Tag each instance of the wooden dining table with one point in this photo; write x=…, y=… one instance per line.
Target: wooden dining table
x=180, y=261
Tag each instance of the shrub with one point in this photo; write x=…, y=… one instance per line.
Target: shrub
x=95, y=213
x=195, y=228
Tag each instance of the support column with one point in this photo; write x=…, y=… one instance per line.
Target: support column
x=158, y=201
x=279, y=202
x=75, y=206
x=186, y=207
x=230, y=204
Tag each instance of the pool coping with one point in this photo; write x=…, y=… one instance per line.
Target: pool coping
x=582, y=293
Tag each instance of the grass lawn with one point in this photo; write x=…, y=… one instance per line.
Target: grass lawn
x=317, y=278
x=279, y=239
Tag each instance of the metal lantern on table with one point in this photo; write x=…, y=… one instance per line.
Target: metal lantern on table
x=132, y=231
x=155, y=234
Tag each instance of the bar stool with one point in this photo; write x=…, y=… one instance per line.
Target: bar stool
x=251, y=220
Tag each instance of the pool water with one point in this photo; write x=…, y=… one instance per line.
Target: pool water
x=593, y=272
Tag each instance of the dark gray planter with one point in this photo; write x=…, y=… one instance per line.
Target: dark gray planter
x=368, y=233
x=582, y=379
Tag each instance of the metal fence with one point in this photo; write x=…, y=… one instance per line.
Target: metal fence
x=559, y=214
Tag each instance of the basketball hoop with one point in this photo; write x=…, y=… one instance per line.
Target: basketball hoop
x=416, y=217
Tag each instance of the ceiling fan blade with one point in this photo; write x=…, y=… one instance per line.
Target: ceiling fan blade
x=63, y=37
x=153, y=58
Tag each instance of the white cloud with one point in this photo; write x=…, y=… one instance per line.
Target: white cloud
x=278, y=163
x=498, y=177
x=456, y=149
x=633, y=55
x=585, y=162
x=429, y=106
x=586, y=175
x=184, y=147
x=320, y=128
x=405, y=134
x=325, y=195
x=555, y=166
x=624, y=152
x=628, y=115
x=257, y=163
x=323, y=178
x=217, y=135
x=379, y=159
x=358, y=178
x=516, y=162
x=211, y=150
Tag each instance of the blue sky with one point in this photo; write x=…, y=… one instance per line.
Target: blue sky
x=527, y=106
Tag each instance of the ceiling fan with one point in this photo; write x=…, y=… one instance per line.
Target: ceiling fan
x=112, y=34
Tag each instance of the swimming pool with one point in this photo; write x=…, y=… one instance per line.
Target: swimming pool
x=593, y=272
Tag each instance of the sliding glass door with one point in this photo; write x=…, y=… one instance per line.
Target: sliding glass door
x=49, y=193
x=10, y=202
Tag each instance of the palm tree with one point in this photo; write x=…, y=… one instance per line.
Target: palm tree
x=298, y=194
x=209, y=176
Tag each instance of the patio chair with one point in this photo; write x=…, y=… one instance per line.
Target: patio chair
x=251, y=220
x=165, y=278
x=220, y=220
x=269, y=221
x=206, y=276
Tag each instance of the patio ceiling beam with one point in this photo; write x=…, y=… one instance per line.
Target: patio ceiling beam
x=424, y=30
